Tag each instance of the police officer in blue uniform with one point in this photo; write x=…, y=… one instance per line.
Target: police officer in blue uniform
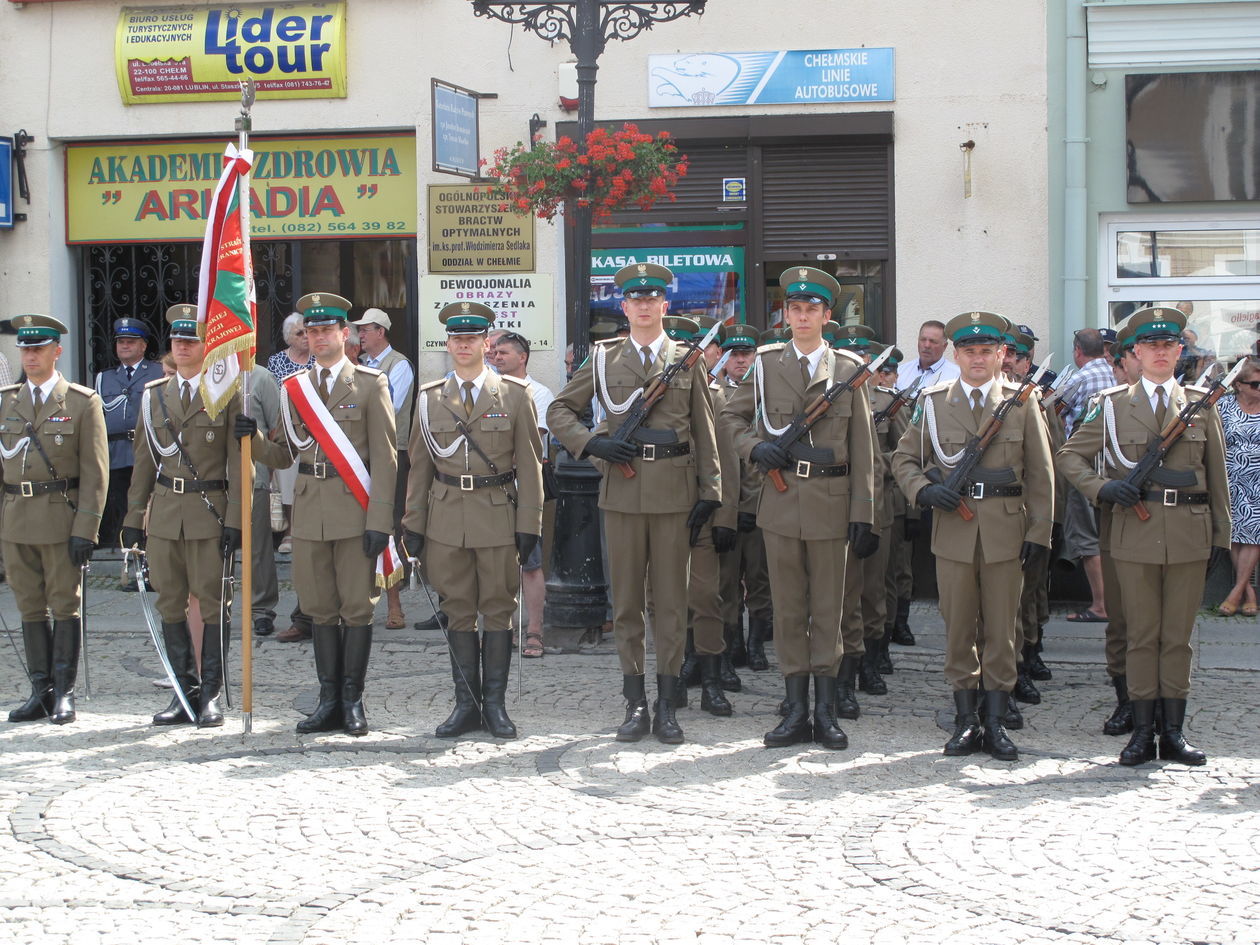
x=121, y=388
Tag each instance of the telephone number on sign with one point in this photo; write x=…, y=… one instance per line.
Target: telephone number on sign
x=332, y=226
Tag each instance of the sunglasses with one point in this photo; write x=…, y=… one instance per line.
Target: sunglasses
x=1254, y=385
x=515, y=338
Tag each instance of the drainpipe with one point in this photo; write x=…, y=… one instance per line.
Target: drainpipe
x=1075, y=191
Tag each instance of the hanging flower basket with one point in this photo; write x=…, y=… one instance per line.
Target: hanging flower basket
x=615, y=171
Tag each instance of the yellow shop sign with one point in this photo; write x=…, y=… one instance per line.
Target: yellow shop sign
x=198, y=54
x=302, y=188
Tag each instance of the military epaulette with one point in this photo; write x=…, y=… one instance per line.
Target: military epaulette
x=8, y=387
x=773, y=346
x=1112, y=390
x=855, y=358
x=80, y=389
x=514, y=380
x=609, y=341
x=1194, y=387
x=367, y=370
x=432, y=384
x=158, y=383
x=936, y=388
x=1011, y=385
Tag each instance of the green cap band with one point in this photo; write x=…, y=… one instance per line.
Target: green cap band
x=858, y=342
x=978, y=332
x=39, y=331
x=1157, y=328
x=739, y=339
x=318, y=312
x=466, y=324
x=809, y=288
x=183, y=328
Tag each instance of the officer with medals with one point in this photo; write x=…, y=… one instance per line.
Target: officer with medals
x=56, y=466
x=339, y=422
x=652, y=518
x=186, y=485
x=1160, y=561
x=474, y=503
x=121, y=388
x=828, y=502
x=979, y=561
x=743, y=575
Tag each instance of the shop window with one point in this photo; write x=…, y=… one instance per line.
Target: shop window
x=708, y=280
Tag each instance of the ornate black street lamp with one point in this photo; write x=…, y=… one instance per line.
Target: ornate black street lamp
x=575, y=590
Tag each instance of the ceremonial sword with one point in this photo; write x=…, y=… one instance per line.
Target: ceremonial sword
x=155, y=634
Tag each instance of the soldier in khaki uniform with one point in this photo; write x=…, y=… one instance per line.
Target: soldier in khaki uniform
x=1160, y=563
x=336, y=541
x=828, y=503
x=744, y=578
x=899, y=578
x=474, y=500
x=187, y=465
x=675, y=490
x=979, y=562
x=56, y=472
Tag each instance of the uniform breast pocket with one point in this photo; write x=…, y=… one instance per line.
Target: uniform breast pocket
x=1008, y=446
x=443, y=429
x=343, y=413
x=1189, y=449
x=496, y=431
x=780, y=412
x=1133, y=445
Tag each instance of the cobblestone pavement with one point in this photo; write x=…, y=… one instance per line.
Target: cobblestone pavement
x=122, y=833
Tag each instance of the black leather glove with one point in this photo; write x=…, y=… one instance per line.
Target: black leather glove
x=374, y=543
x=913, y=528
x=80, y=551
x=613, y=451
x=1028, y=551
x=747, y=521
x=1120, y=492
x=700, y=513
x=229, y=541
x=862, y=539
x=413, y=544
x=769, y=456
x=244, y=426
x=132, y=537
x=939, y=497
x=724, y=539
x=1217, y=557
x=525, y=545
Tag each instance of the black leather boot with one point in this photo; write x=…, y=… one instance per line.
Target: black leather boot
x=465, y=652
x=1024, y=690
x=712, y=697
x=869, y=678
x=326, y=642
x=996, y=742
x=885, y=659
x=735, y=647
x=664, y=726
x=758, y=627
x=1012, y=718
x=1141, y=747
x=796, y=726
x=1172, y=743
x=1037, y=668
x=356, y=649
x=37, y=640
x=1121, y=720
x=968, y=735
x=681, y=701
x=179, y=650
x=689, y=675
x=827, y=731
x=638, y=720
x=726, y=673
x=846, y=681
x=213, y=655
x=901, y=624
x=66, y=639
x=496, y=665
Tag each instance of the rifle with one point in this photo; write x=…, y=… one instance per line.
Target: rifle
x=1158, y=448
x=973, y=452
x=903, y=397
x=637, y=415
x=1058, y=389
x=816, y=410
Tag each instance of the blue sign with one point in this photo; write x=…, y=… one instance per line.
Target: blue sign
x=734, y=188
x=785, y=77
x=456, y=146
x=6, y=182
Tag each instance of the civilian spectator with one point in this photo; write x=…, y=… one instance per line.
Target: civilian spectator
x=931, y=365
x=1240, y=417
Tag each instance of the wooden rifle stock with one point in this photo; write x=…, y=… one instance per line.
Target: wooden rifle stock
x=815, y=412
x=1173, y=433
x=984, y=438
x=655, y=391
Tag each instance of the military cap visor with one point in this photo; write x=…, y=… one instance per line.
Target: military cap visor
x=130, y=328
x=680, y=328
x=466, y=318
x=739, y=336
x=1156, y=324
x=35, y=331
x=807, y=284
x=323, y=308
x=855, y=336
x=643, y=280
x=973, y=328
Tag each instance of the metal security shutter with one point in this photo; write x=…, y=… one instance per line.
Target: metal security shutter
x=699, y=194
x=1144, y=35
x=831, y=199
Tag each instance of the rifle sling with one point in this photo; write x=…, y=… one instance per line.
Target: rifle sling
x=52, y=470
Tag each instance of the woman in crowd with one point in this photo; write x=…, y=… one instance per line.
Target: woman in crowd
x=1240, y=416
x=296, y=357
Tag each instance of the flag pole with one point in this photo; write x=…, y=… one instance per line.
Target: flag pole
x=243, y=127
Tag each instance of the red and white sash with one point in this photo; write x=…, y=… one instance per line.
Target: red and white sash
x=345, y=459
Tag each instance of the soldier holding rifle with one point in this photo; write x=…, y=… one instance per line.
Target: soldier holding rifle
x=657, y=451
x=1164, y=475
x=978, y=453
x=805, y=419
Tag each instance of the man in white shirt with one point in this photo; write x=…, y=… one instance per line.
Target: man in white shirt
x=931, y=364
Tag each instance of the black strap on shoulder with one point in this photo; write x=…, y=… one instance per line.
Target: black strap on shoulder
x=52, y=470
x=183, y=456
x=462, y=426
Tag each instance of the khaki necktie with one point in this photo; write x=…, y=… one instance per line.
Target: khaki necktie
x=1161, y=407
x=37, y=397
x=805, y=372
x=647, y=359
x=468, y=398
x=325, y=382
x=185, y=394
x=977, y=406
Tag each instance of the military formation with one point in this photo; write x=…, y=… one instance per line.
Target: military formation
x=781, y=475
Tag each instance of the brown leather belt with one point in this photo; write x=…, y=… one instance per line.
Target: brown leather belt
x=29, y=489
x=468, y=482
